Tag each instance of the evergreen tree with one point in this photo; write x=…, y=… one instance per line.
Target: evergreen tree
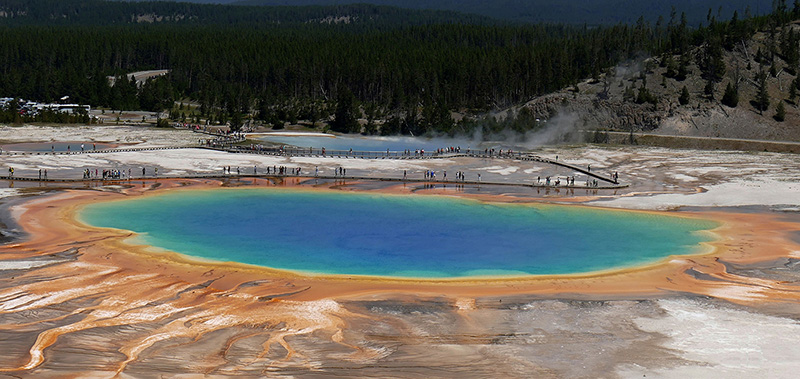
x=345, y=119
x=780, y=112
x=762, y=97
x=672, y=67
x=371, y=112
x=683, y=68
x=708, y=90
x=731, y=96
x=711, y=63
x=391, y=126
x=793, y=88
x=236, y=121
x=684, y=98
x=628, y=94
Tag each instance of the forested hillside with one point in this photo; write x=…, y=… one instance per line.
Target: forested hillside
x=412, y=76
x=299, y=67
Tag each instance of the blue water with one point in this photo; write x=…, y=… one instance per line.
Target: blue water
x=369, y=143
x=396, y=236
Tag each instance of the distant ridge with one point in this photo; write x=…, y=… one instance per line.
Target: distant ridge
x=591, y=12
x=100, y=12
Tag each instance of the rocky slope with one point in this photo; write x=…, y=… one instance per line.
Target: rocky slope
x=602, y=104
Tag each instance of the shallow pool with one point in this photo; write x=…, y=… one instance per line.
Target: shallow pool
x=397, y=236
x=374, y=143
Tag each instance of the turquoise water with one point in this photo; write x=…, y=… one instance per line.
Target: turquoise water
x=368, y=143
x=396, y=236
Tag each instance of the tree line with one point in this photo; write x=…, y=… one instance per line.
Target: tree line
x=236, y=69
x=410, y=75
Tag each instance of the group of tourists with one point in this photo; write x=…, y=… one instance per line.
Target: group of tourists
x=106, y=174
x=499, y=153
x=222, y=140
x=278, y=170
x=569, y=181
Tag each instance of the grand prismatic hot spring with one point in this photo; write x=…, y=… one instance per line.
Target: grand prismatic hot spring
x=397, y=236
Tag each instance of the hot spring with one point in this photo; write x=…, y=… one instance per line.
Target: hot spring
x=397, y=236
x=357, y=143
x=381, y=144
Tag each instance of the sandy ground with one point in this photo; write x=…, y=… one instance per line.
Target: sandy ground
x=79, y=301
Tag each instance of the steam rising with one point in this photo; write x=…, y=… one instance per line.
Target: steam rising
x=561, y=128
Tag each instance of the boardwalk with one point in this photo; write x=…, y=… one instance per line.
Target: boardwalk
x=602, y=182
x=319, y=153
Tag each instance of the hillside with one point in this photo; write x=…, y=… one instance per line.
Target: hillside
x=575, y=12
x=441, y=75
x=610, y=102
